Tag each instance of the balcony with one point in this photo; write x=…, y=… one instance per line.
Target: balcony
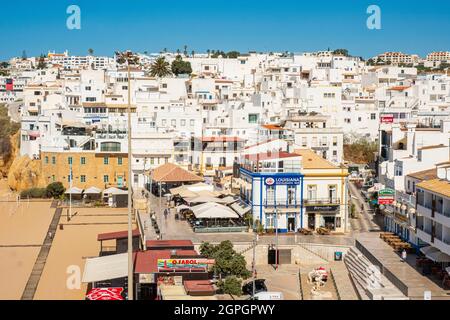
x=423, y=235
x=322, y=201
x=282, y=202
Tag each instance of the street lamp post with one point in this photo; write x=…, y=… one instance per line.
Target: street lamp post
x=129, y=58
x=276, y=239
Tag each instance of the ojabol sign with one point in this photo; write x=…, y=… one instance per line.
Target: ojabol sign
x=184, y=263
x=270, y=181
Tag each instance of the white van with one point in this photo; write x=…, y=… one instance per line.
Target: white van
x=269, y=296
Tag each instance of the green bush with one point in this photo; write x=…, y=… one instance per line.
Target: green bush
x=34, y=193
x=55, y=190
x=231, y=285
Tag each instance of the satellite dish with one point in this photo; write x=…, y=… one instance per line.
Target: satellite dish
x=441, y=173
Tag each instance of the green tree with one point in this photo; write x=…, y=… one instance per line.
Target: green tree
x=55, y=190
x=41, y=62
x=181, y=67
x=233, y=54
x=90, y=51
x=185, y=50
x=343, y=52
x=231, y=285
x=227, y=260
x=24, y=55
x=160, y=68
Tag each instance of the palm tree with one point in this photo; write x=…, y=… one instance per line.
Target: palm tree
x=165, y=50
x=208, y=52
x=160, y=68
x=178, y=51
x=193, y=53
x=90, y=51
x=185, y=50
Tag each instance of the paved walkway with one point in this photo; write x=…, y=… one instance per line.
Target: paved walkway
x=403, y=275
x=365, y=222
x=342, y=281
x=35, y=276
x=285, y=280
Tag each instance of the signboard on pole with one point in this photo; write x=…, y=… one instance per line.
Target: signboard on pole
x=386, y=196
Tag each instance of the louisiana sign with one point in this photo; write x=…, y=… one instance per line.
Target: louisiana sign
x=184, y=263
x=285, y=180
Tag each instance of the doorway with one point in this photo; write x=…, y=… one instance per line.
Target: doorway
x=291, y=224
x=311, y=221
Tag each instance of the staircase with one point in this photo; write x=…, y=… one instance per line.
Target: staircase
x=370, y=284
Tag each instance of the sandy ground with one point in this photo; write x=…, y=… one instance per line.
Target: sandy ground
x=20, y=226
x=15, y=269
x=72, y=246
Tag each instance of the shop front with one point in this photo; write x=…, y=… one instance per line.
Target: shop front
x=323, y=216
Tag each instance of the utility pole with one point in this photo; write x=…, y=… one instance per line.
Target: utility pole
x=276, y=239
x=70, y=194
x=128, y=58
x=254, y=266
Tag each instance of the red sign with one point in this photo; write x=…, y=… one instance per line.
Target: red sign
x=387, y=118
x=105, y=294
x=9, y=85
x=385, y=200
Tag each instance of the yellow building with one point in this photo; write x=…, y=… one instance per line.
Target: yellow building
x=89, y=169
x=325, y=192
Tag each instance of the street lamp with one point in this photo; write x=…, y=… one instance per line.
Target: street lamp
x=129, y=58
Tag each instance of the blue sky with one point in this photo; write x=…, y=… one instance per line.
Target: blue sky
x=263, y=25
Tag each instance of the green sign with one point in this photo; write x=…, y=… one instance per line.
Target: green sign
x=386, y=192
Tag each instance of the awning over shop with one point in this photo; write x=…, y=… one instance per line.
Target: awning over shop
x=241, y=208
x=92, y=190
x=438, y=256
x=74, y=190
x=428, y=249
x=211, y=210
x=105, y=268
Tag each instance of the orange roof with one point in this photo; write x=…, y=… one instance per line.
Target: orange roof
x=170, y=172
x=437, y=146
x=438, y=186
x=399, y=88
x=424, y=175
x=271, y=126
x=313, y=161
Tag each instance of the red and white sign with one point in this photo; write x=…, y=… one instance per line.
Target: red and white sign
x=105, y=294
x=387, y=118
x=9, y=85
x=385, y=200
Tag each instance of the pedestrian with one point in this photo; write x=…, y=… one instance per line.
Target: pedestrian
x=50, y=235
x=404, y=255
x=165, y=213
x=362, y=206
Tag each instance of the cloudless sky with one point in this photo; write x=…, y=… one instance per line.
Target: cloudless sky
x=410, y=26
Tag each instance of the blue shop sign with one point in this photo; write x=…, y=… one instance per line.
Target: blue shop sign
x=286, y=181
